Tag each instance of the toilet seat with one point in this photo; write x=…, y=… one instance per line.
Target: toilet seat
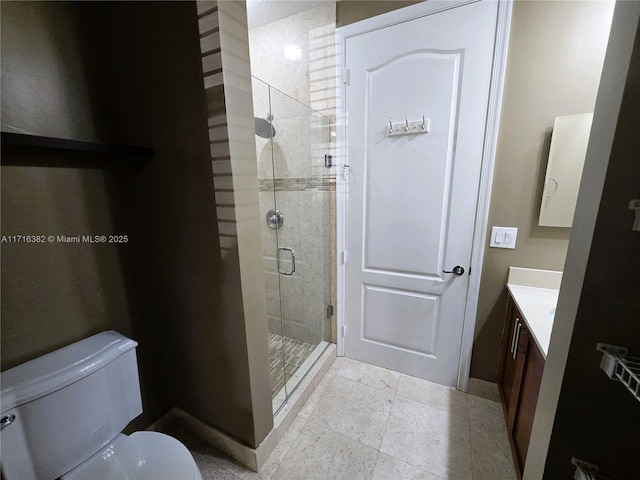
x=139, y=456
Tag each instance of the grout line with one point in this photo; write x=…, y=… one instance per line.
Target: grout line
x=293, y=442
x=317, y=424
x=320, y=394
x=375, y=464
x=449, y=412
x=355, y=382
x=386, y=425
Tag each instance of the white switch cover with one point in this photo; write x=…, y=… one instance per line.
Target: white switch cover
x=503, y=237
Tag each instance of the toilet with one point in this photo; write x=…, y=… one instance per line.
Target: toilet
x=63, y=416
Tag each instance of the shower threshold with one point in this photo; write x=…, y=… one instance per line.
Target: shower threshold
x=279, y=399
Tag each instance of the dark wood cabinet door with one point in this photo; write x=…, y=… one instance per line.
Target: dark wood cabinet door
x=528, y=399
x=519, y=377
x=510, y=372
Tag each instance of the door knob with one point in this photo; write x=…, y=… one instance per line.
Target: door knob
x=458, y=270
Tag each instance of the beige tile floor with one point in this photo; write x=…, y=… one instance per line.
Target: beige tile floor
x=369, y=423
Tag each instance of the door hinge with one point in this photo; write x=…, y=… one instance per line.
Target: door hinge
x=346, y=76
x=345, y=173
x=329, y=311
x=344, y=257
x=344, y=331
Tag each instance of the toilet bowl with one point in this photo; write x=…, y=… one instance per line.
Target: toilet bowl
x=141, y=456
x=63, y=414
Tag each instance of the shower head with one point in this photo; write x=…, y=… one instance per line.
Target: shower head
x=264, y=128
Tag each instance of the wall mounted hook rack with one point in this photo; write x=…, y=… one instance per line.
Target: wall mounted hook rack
x=408, y=127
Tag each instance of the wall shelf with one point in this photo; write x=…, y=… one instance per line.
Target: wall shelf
x=32, y=150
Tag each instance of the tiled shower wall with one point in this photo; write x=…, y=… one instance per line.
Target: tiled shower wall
x=305, y=294
x=311, y=79
x=305, y=189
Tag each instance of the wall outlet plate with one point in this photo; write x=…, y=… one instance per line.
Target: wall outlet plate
x=503, y=237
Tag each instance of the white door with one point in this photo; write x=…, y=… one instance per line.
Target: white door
x=412, y=198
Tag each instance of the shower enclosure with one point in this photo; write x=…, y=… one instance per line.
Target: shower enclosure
x=295, y=206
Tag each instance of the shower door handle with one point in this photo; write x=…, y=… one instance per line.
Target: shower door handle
x=293, y=260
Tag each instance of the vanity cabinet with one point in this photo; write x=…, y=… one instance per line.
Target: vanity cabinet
x=519, y=377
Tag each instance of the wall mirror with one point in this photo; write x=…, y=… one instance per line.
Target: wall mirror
x=564, y=170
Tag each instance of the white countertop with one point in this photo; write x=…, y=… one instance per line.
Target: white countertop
x=535, y=293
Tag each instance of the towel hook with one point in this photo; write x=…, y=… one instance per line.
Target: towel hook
x=406, y=121
x=390, y=126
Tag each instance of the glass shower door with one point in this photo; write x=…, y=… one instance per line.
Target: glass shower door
x=266, y=193
x=303, y=198
x=295, y=202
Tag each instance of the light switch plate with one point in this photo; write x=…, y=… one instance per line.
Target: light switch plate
x=503, y=237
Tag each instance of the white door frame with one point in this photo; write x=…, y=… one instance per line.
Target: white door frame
x=486, y=174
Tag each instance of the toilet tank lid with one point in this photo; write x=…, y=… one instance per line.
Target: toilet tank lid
x=53, y=371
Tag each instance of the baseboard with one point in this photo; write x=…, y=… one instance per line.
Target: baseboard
x=164, y=423
x=253, y=458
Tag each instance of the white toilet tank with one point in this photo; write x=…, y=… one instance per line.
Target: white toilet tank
x=61, y=408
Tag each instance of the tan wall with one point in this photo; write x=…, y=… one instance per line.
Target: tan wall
x=53, y=293
x=236, y=71
x=57, y=293
x=350, y=11
x=53, y=84
x=188, y=295
x=48, y=94
x=556, y=51
x=138, y=70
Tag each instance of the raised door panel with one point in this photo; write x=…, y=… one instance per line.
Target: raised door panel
x=406, y=233
x=412, y=327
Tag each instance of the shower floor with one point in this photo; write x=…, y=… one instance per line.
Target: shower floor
x=295, y=353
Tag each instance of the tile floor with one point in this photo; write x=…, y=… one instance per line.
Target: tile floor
x=366, y=422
